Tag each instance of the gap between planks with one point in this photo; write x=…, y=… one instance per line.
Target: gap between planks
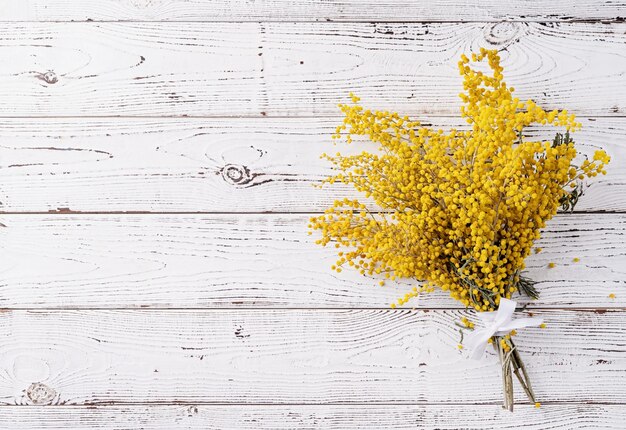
x=425, y=309
x=614, y=20
x=66, y=211
x=110, y=404
x=322, y=116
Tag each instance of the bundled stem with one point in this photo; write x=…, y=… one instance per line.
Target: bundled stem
x=512, y=364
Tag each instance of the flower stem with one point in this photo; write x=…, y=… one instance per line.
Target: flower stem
x=523, y=376
x=512, y=363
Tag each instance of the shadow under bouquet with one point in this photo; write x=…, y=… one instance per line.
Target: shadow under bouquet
x=458, y=210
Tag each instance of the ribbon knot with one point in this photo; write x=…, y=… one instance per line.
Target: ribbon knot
x=496, y=323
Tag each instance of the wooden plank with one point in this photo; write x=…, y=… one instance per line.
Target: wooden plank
x=215, y=165
x=340, y=417
x=191, y=261
x=309, y=10
x=295, y=69
x=295, y=356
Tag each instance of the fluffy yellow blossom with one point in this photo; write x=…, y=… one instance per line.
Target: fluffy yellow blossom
x=505, y=344
x=576, y=259
x=467, y=323
x=459, y=210
x=611, y=296
x=551, y=265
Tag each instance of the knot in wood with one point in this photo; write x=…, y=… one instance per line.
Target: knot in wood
x=236, y=174
x=502, y=34
x=40, y=394
x=49, y=77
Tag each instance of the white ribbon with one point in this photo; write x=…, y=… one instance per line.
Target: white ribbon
x=496, y=323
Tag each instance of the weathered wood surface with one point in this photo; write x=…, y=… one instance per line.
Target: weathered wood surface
x=216, y=165
x=295, y=356
x=311, y=417
x=230, y=318
x=295, y=69
x=191, y=261
x=309, y=10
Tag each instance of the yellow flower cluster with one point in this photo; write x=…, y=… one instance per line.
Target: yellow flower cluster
x=467, y=323
x=460, y=209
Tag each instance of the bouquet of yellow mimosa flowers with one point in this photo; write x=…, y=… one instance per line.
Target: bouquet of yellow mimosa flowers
x=458, y=210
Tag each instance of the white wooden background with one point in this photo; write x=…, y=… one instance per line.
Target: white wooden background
x=156, y=162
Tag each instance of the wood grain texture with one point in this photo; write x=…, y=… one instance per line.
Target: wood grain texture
x=230, y=318
x=216, y=165
x=296, y=69
x=191, y=261
x=295, y=356
x=312, y=417
x=308, y=10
